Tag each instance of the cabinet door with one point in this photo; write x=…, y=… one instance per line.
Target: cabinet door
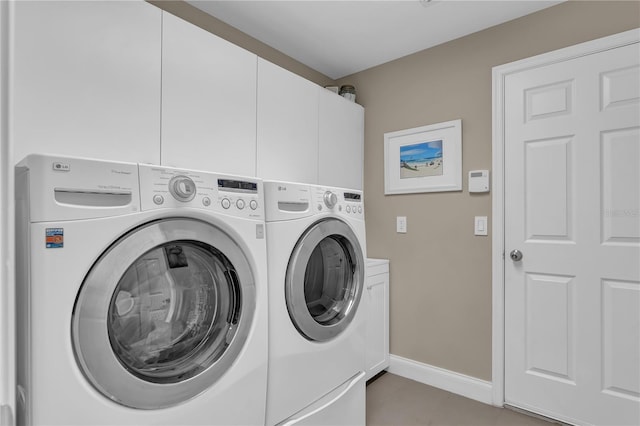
x=86, y=79
x=208, y=101
x=341, y=142
x=287, y=125
x=377, y=356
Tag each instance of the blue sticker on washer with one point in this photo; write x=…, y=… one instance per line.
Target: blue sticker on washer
x=54, y=237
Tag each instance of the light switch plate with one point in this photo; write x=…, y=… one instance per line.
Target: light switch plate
x=480, y=225
x=401, y=224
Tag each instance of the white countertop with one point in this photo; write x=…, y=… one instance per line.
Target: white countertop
x=377, y=266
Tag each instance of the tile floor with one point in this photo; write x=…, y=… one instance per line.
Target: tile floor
x=395, y=401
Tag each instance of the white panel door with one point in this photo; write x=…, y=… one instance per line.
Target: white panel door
x=341, y=142
x=86, y=79
x=572, y=188
x=208, y=101
x=287, y=147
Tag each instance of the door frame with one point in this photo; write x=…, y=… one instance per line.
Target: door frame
x=499, y=75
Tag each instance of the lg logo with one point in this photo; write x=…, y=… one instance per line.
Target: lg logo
x=282, y=188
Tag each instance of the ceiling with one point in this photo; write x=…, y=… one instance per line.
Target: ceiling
x=342, y=37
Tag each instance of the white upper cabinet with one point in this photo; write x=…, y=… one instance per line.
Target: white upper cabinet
x=287, y=147
x=86, y=79
x=341, y=142
x=208, y=101
x=125, y=81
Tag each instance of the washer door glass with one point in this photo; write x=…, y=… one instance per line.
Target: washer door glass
x=325, y=280
x=172, y=310
x=163, y=313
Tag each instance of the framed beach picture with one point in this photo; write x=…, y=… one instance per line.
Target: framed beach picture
x=424, y=159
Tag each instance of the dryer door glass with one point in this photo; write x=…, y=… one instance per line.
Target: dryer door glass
x=324, y=280
x=328, y=280
x=163, y=313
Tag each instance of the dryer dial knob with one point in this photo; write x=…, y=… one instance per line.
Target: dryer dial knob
x=330, y=199
x=182, y=188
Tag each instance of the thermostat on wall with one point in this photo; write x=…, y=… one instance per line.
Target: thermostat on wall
x=479, y=181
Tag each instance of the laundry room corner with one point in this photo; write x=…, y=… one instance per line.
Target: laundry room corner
x=440, y=272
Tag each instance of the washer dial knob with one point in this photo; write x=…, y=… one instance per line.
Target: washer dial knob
x=330, y=199
x=182, y=188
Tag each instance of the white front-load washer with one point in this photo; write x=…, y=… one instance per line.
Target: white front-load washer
x=142, y=295
x=316, y=255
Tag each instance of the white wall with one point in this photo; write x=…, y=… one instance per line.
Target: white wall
x=6, y=231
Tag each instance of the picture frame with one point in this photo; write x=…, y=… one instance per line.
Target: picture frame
x=424, y=159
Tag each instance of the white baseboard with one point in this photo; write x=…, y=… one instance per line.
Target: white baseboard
x=467, y=386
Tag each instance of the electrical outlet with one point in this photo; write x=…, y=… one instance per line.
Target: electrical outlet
x=401, y=224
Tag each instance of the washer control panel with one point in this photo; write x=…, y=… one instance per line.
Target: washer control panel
x=167, y=187
x=183, y=188
x=339, y=201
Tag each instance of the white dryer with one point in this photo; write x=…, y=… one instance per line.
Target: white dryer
x=142, y=295
x=316, y=255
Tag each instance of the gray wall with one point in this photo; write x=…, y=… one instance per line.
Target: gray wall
x=440, y=272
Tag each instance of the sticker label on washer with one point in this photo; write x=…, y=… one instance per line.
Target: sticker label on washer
x=54, y=237
x=259, y=231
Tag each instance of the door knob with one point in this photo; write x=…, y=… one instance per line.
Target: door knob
x=515, y=255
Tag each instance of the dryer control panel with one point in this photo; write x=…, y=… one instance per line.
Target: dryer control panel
x=168, y=187
x=339, y=201
x=289, y=201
